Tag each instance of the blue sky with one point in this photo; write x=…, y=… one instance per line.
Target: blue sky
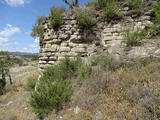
x=16, y=20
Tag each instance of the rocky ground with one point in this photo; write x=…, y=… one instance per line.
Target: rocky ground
x=14, y=103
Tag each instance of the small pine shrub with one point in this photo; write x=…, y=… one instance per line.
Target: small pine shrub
x=38, y=29
x=156, y=10
x=95, y=60
x=108, y=62
x=17, y=61
x=53, y=88
x=56, y=17
x=61, y=71
x=136, y=5
x=31, y=83
x=104, y=61
x=134, y=38
x=85, y=21
x=50, y=96
x=101, y=3
x=83, y=73
x=2, y=87
x=109, y=11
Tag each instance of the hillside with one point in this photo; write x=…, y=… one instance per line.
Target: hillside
x=100, y=61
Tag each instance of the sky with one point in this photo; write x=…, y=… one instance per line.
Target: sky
x=16, y=20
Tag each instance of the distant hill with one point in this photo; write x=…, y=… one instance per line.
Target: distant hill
x=23, y=53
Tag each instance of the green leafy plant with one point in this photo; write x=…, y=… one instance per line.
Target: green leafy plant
x=85, y=21
x=95, y=60
x=101, y=3
x=56, y=17
x=54, y=88
x=83, y=73
x=31, y=83
x=109, y=11
x=2, y=87
x=109, y=8
x=50, y=96
x=134, y=38
x=38, y=29
x=108, y=62
x=156, y=10
x=136, y=5
x=73, y=4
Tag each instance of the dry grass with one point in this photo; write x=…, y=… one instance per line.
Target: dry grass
x=128, y=93
x=15, y=101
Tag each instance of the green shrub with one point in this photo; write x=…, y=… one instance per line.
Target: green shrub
x=53, y=88
x=95, y=60
x=83, y=73
x=108, y=62
x=61, y=71
x=136, y=5
x=31, y=83
x=56, y=17
x=109, y=11
x=85, y=21
x=2, y=87
x=156, y=10
x=101, y=3
x=153, y=30
x=50, y=96
x=134, y=38
x=17, y=61
x=38, y=29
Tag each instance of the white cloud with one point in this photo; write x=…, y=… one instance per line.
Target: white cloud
x=8, y=31
x=5, y=34
x=36, y=40
x=28, y=32
x=15, y=3
x=25, y=48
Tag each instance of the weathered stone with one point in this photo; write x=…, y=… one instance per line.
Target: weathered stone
x=157, y=52
x=56, y=41
x=64, y=49
x=63, y=36
x=83, y=45
x=51, y=62
x=80, y=50
x=73, y=22
x=42, y=62
x=68, y=32
x=48, y=45
x=43, y=58
x=64, y=44
x=107, y=38
x=54, y=58
x=61, y=58
x=73, y=38
x=72, y=44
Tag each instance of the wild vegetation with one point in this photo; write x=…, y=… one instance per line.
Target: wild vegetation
x=85, y=21
x=38, y=29
x=101, y=89
x=73, y=4
x=56, y=17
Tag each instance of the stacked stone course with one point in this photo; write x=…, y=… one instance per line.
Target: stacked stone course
x=70, y=39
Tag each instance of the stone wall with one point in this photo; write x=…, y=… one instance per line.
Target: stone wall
x=70, y=39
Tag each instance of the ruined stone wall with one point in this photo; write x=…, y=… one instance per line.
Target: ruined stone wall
x=70, y=39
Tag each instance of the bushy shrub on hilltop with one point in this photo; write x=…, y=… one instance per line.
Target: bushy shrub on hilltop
x=54, y=88
x=38, y=29
x=156, y=10
x=109, y=8
x=136, y=5
x=56, y=17
x=85, y=21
